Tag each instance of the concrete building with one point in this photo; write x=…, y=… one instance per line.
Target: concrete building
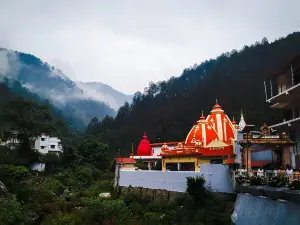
x=282, y=91
x=46, y=144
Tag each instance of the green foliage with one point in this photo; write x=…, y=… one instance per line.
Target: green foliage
x=295, y=184
x=11, y=174
x=13, y=212
x=97, y=188
x=51, y=160
x=94, y=153
x=278, y=181
x=242, y=179
x=195, y=187
x=28, y=117
x=141, y=165
x=52, y=185
x=105, y=210
x=257, y=181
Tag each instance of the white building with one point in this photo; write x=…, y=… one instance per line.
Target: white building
x=46, y=144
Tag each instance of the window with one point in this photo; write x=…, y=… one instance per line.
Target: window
x=216, y=161
x=52, y=146
x=42, y=147
x=42, y=139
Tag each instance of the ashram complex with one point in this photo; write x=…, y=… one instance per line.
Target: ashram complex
x=215, y=139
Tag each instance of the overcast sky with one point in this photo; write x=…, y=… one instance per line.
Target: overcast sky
x=127, y=44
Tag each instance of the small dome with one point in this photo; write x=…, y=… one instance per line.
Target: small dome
x=217, y=109
x=144, y=148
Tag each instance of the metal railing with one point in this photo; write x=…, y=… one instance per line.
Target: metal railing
x=267, y=174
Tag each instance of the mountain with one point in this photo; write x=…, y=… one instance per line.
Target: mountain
x=104, y=92
x=76, y=104
x=168, y=109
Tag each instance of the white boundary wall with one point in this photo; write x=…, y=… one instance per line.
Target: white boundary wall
x=217, y=179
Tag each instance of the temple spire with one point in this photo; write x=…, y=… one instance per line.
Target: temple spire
x=202, y=113
x=216, y=101
x=242, y=122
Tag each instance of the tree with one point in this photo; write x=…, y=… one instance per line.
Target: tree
x=51, y=160
x=95, y=153
x=92, y=125
x=29, y=120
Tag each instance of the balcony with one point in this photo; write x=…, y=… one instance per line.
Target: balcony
x=291, y=118
x=284, y=98
x=283, y=88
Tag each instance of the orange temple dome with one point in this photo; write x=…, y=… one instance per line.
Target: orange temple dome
x=201, y=133
x=144, y=148
x=221, y=124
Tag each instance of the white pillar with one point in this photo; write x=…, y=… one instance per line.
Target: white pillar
x=149, y=165
x=293, y=160
x=178, y=166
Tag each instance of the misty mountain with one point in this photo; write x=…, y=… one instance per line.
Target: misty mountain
x=103, y=92
x=76, y=100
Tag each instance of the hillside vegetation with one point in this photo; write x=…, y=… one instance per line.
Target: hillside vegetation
x=168, y=109
x=68, y=191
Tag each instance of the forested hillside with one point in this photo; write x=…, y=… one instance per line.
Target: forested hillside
x=77, y=106
x=12, y=90
x=168, y=109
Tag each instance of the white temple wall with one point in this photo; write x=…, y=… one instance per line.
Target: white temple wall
x=217, y=179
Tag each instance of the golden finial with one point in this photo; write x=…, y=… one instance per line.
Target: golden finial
x=202, y=113
x=216, y=101
x=232, y=118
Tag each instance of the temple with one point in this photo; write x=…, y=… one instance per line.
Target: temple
x=211, y=140
x=148, y=153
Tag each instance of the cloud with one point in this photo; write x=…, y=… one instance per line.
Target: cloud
x=129, y=43
x=9, y=64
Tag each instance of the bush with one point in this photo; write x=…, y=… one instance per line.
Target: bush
x=295, y=184
x=13, y=212
x=242, y=179
x=102, y=210
x=278, y=182
x=96, y=189
x=13, y=174
x=52, y=185
x=258, y=181
x=195, y=186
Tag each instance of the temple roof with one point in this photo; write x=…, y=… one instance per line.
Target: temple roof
x=125, y=160
x=221, y=124
x=144, y=148
x=201, y=132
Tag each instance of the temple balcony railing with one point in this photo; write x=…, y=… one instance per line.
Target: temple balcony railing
x=267, y=175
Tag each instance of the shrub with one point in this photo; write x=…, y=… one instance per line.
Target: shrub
x=195, y=186
x=96, y=189
x=102, y=210
x=295, y=184
x=258, y=181
x=13, y=212
x=278, y=181
x=52, y=185
x=13, y=174
x=242, y=179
